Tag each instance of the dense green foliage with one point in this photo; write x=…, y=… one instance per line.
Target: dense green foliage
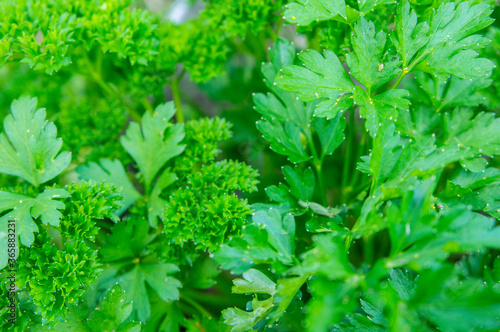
x=145, y=197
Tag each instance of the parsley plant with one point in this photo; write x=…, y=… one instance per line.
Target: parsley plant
x=254, y=165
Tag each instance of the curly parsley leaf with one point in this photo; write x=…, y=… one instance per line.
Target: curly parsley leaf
x=111, y=171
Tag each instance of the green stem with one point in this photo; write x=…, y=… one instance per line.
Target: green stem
x=196, y=305
x=179, y=116
x=317, y=163
x=440, y=108
x=408, y=69
x=401, y=76
x=321, y=182
x=436, y=87
x=347, y=160
x=368, y=249
x=147, y=105
x=361, y=151
x=279, y=25
x=357, y=190
x=109, y=89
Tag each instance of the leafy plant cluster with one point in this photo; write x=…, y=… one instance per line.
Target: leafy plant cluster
x=376, y=207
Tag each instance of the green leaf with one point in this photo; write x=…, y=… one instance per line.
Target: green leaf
x=257, y=282
x=254, y=281
x=24, y=210
x=285, y=118
x=319, y=209
x=175, y=318
x=455, y=92
x=331, y=301
x=281, y=194
x=113, y=313
x=281, y=231
x=460, y=305
x=368, y=63
x=358, y=322
x=331, y=133
x=304, y=12
x=287, y=291
x=157, y=276
x=328, y=257
x=136, y=231
x=479, y=134
x=382, y=107
x=128, y=266
x=410, y=37
x=202, y=275
x=375, y=314
x=403, y=282
x=478, y=189
x=150, y=145
x=322, y=77
x=285, y=140
x=111, y=171
x=156, y=205
x=241, y=320
x=238, y=257
x=458, y=230
x=365, y=6
x=449, y=46
x=270, y=239
x=326, y=225
x=385, y=154
x=29, y=148
x=301, y=182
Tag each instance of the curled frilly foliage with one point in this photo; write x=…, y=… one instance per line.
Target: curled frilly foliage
x=202, y=140
x=88, y=202
x=203, y=54
x=56, y=278
x=20, y=308
x=55, y=271
x=121, y=31
x=248, y=16
x=207, y=211
x=204, y=43
x=50, y=42
x=91, y=129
